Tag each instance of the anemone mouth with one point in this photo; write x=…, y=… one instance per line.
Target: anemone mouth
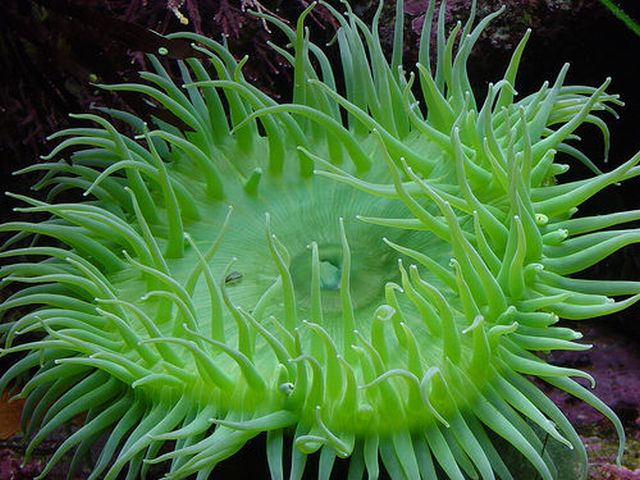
x=366, y=274
x=309, y=217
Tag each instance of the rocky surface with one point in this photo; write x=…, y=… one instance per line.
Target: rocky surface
x=614, y=361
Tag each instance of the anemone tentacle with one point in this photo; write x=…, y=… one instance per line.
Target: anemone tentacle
x=366, y=274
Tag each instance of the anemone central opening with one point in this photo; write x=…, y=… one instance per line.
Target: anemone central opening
x=329, y=275
x=369, y=271
x=330, y=268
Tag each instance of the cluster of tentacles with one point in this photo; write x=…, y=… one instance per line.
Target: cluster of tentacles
x=359, y=272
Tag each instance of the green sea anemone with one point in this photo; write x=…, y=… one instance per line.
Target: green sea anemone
x=358, y=272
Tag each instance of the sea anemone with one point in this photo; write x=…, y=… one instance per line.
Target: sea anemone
x=358, y=272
